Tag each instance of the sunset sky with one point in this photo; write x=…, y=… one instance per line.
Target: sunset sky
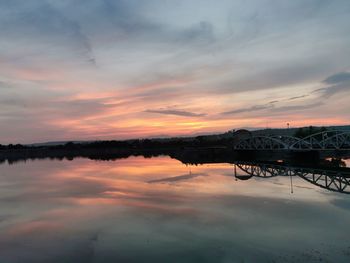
x=113, y=69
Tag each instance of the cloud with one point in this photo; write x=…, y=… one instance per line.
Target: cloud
x=299, y=97
x=177, y=113
x=251, y=109
x=332, y=90
x=42, y=22
x=293, y=108
x=177, y=178
x=202, y=31
x=272, y=107
x=342, y=77
x=339, y=82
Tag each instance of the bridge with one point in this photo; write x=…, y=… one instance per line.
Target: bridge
x=328, y=140
x=330, y=179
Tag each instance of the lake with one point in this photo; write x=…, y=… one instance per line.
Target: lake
x=160, y=210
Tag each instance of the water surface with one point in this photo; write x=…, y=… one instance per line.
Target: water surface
x=160, y=210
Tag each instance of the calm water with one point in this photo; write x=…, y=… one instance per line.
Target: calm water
x=160, y=210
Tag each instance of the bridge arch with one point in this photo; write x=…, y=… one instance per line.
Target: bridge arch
x=328, y=140
x=260, y=143
x=324, y=140
x=288, y=140
x=261, y=170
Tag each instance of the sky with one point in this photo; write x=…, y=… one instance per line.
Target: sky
x=118, y=69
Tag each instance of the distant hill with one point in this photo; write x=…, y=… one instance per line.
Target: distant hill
x=56, y=143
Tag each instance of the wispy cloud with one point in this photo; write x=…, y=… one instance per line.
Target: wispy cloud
x=299, y=97
x=339, y=82
x=177, y=178
x=251, y=109
x=176, y=112
x=293, y=108
x=41, y=21
x=342, y=77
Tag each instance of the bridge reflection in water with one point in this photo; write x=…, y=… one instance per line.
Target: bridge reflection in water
x=333, y=179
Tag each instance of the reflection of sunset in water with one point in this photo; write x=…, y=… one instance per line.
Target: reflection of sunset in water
x=89, y=210
x=347, y=162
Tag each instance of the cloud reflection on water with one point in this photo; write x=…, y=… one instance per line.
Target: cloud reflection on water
x=88, y=211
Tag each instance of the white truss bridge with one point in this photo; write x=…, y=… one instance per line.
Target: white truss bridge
x=329, y=140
